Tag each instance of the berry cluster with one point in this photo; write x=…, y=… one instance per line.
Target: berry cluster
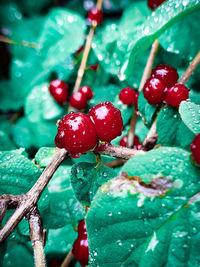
x=59, y=90
x=79, y=132
x=162, y=86
x=153, y=4
x=195, y=148
x=80, y=247
x=124, y=142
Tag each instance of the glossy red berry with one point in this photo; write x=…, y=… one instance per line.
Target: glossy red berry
x=59, y=90
x=176, y=94
x=124, y=140
x=78, y=101
x=127, y=95
x=153, y=4
x=87, y=92
x=154, y=91
x=80, y=250
x=82, y=231
x=166, y=73
x=95, y=15
x=108, y=121
x=195, y=148
x=76, y=133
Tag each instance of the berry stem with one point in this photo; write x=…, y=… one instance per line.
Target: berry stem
x=5, y=39
x=118, y=151
x=145, y=76
x=86, y=53
x=68, y=259
x=193, y=65
x=29, y=200
x=115, y=163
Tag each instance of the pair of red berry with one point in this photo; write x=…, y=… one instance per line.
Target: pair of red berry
x=59, y=90
x=80, y=247
x=79, y=133
x=163, y=86
x=124, y=142
x=195, y=148
x=128, y=96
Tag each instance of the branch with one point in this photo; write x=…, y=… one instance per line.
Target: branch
x=118, y=151
x=151, y=138
x=29, y=200
x=145, y=76
x=68, y=259
x=115, y=163
x=190, y=69
x=37, y=237
x=4, y=39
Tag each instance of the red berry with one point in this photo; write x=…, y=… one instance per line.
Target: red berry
x=127, y=96
x=176, y=94
x=153, y=4
x=154, y=90
x=76, y=133
x=108, y=121
x=80, y=250
x=59, y=90
x=166, y=73
x=195, y=148
x=124, y=140
x=95, y=15
x=82, y=228
x=78, y=101
x=87, y=92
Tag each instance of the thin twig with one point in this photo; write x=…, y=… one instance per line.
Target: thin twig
x=31, y=197
x=37, y=237
x=68, y=259
x=145, y=76
x=5, y=39
x=195, y=62
x=152, y=136
x=118, y=151
x=115, y=163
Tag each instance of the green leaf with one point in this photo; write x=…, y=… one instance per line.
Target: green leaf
x=86, y=178
x=156, y=224
x=34, y=134
x=66, y=38
x=17, y=173
x=45, y=155
x=183, y=28
x=10, y=14
x=165, y=16
x=40, y=105
x=147, y=111
x=5, y=142
x=190, y=114
x=171, y=129
x=126, y=110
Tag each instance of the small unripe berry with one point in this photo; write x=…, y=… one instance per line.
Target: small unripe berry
x=95, y=15
x=195, y=148
x=108, y=121
x=76, y=133
x=154, y=90
x=59, y=90
x=176, y=94
x=127, y=95
x=78, y=101
x=87, y=92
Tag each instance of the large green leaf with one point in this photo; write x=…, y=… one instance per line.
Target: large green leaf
x=126, y=110
x=44, y=155
x=165, y=16
x=18, y=174
x=5, y=142
x=63, y=31
x=86, y=178
x=147, y=111
x=157, y=224
x=171, y=129
x=40, y=105
x=190, y=114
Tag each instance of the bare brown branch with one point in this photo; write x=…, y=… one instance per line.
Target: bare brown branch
x=68, y=259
